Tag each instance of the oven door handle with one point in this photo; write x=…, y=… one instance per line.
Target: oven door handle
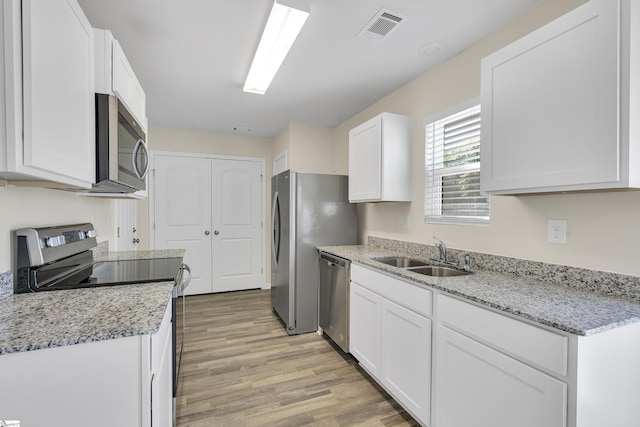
x=181, y=283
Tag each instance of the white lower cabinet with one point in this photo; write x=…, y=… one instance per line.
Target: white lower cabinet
x=492, y=370
x=118, y=382
x=406, y=358
x=161, y=371
x=489, y=369
x=481, y=387
x=364, y=328
x=391, y=341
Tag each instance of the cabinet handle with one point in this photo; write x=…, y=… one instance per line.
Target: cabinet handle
x=206, y=233
x=136, y=240
x=216, y=232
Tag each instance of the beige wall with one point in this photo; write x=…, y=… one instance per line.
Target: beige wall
x=309, y=148
x=282, y=141
x=603, y=228
x=40, y=207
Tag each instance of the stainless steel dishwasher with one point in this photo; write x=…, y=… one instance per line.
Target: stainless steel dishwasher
x=334, y=299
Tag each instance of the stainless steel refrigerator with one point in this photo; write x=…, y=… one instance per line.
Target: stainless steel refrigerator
x=308, y=210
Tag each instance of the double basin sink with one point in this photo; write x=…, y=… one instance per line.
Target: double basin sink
x=421, y=267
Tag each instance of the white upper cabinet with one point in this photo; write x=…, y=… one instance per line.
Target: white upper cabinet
x=556, y=104
x=47, y=69
x=127, y=86
x=380, y=160
x=115, y=76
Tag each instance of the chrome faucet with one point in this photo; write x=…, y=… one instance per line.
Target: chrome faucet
x=467, y=262
x=442, y=248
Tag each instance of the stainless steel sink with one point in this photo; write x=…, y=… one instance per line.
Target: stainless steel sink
x=439, y=271
x=400, y=262
x=421, y=267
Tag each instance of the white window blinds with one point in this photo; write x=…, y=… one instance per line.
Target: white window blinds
x=452, y=169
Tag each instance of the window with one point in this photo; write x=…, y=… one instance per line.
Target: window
x=452, y=168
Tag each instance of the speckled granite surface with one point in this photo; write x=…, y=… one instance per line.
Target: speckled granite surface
x=102, y=249
x=570, y=309
x=117, y=256
x=6, y=284
x=59, y=318
x=591, y=280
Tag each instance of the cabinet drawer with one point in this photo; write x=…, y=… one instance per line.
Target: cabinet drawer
x=413, y=297
x=159, y=339
x=536, y=345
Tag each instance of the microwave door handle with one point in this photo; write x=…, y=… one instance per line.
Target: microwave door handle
x=140, y=145
x=145, y=150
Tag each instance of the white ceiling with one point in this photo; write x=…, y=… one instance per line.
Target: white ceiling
x=192, y=56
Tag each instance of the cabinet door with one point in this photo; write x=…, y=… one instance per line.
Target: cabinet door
x=93, y=384
x=406, y=358
x=365, y=161
x=59, y=100
x=127, y=87
x=550, y=106
x=478, y=386
x=162, y=375
x=364, y=328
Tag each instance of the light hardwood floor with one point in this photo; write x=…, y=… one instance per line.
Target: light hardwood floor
x=240, y=368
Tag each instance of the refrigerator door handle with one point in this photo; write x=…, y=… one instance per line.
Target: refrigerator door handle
x=276, y=228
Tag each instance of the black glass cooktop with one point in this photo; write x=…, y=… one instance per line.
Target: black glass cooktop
x=81, y=272
x=134, y=271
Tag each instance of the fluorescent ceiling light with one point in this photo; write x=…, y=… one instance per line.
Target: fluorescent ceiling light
x=282, y=28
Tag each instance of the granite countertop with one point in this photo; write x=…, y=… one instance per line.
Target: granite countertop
x=577, y=311
x=127, y=255
x=59, y=318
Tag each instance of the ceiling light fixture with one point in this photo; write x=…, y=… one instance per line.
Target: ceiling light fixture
x=283, y=26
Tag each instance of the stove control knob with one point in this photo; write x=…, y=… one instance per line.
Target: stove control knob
x=90, y=234
x=52, y=242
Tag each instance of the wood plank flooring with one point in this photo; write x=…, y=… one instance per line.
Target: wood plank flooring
x=240, y=368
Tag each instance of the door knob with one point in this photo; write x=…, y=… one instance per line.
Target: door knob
x=216, y=232
x=206, y=233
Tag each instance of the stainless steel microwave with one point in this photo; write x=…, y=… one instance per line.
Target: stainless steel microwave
x=122, y=157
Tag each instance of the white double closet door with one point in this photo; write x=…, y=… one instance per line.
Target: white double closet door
x=213, y=208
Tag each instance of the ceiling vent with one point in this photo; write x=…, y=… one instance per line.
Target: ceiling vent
x=382, y=25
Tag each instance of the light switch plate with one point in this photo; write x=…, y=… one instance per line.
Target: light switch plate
x=557, y=231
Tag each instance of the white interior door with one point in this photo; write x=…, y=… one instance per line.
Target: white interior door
x=237, y=224
x=126, y=214
x=182, y=210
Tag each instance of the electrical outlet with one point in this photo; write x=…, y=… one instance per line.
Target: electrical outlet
x=557, y=231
